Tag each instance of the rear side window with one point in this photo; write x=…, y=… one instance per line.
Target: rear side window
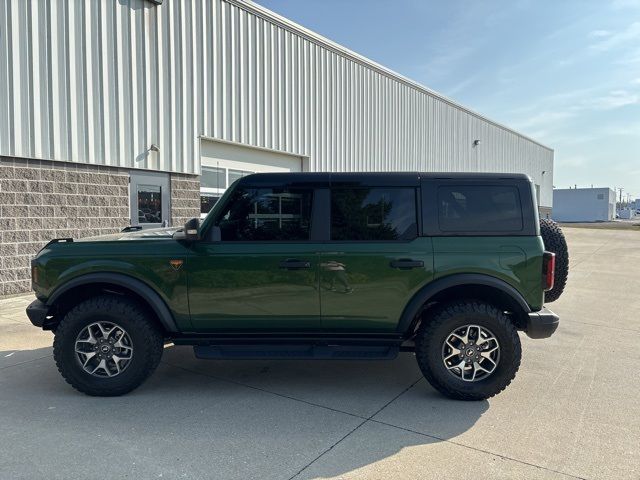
x=267, y=214
x=479, y=208
x=367, y=214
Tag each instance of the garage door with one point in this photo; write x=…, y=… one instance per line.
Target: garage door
x=223, y=163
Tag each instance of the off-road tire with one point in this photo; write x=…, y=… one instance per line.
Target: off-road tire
x=555, y=242
x=124, y=312
x=436, y=327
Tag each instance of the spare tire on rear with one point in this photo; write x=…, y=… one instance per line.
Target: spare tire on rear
x=555, y=242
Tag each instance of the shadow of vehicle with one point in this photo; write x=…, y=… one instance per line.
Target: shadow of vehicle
x=244, y=419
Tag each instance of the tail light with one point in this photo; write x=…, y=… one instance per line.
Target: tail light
x=548, y=270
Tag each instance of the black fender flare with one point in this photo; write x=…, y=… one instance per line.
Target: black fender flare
x=151, y=297
x=429, y=291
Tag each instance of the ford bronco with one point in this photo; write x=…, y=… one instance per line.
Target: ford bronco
x=331, y=266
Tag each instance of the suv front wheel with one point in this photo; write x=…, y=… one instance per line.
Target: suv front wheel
x=107, y=346
x=468, y=350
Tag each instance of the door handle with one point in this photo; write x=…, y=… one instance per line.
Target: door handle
x=406, y=264
x=293, y=264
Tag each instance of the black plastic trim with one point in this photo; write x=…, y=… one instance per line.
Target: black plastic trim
x=423, y=296
x=297, y=351
x=37, y=312
x=58, y=240
x=269, y=338
x=286, y=180
x=154, y=300
x=542, y=324
x=320, y=215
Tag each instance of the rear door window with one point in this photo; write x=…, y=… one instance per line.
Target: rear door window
x=370, y=214
x=479, y=208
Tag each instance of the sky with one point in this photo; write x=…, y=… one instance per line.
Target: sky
x=564, y=72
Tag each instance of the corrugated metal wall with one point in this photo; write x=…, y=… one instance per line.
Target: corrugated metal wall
x=100, y=81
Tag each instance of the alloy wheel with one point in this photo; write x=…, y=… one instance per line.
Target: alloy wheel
x=471, y=353
x=104, y=349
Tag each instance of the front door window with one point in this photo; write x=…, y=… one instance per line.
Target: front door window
x=267, y=214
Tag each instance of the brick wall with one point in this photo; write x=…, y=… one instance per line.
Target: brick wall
x=41, y=200
x=185, y=198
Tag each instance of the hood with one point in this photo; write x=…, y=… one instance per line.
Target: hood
x=144, y=234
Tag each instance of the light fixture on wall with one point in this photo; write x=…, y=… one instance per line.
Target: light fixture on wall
x=476, y=143
x=145, y=154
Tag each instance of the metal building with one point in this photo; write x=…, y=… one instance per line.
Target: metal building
x=152, y=108
x=584, y=204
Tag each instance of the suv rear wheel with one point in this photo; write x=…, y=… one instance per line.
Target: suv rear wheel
x=107, y=346
x=468, y=350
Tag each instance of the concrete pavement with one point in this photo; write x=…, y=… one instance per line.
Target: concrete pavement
x=572, y=411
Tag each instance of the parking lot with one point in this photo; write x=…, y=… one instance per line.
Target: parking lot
x=573, y=411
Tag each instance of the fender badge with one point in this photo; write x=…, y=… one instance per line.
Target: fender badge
x=176, y=264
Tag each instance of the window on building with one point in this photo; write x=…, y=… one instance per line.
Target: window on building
x=213, y=177
x=479, y=208
x=267, y=214
x=237, y=174
x=213, y=182
x=149, y=204
x=207, y=201
x=373, y=214
x=601, y=196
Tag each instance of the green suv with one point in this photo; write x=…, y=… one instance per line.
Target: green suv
x=330, y=266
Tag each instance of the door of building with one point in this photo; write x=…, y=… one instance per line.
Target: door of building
x=150, y=199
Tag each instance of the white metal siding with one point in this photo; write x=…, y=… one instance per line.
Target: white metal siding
x=99, y=82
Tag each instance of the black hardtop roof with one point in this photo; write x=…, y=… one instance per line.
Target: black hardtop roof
x=371, y=178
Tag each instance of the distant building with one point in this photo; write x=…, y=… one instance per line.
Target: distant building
x=584, y=204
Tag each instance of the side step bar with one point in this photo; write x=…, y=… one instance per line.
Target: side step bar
x=289, y=352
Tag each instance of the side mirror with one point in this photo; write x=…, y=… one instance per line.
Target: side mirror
x=191, y=229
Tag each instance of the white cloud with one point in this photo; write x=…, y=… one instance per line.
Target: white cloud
x=612, y=100
x=442, y=65
x=571, y=161
x=629, y=59
x=625, y=130
x=599, y=33
x=619, y=4
x=543, y=119
x=631, y=33
x=461, y=86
